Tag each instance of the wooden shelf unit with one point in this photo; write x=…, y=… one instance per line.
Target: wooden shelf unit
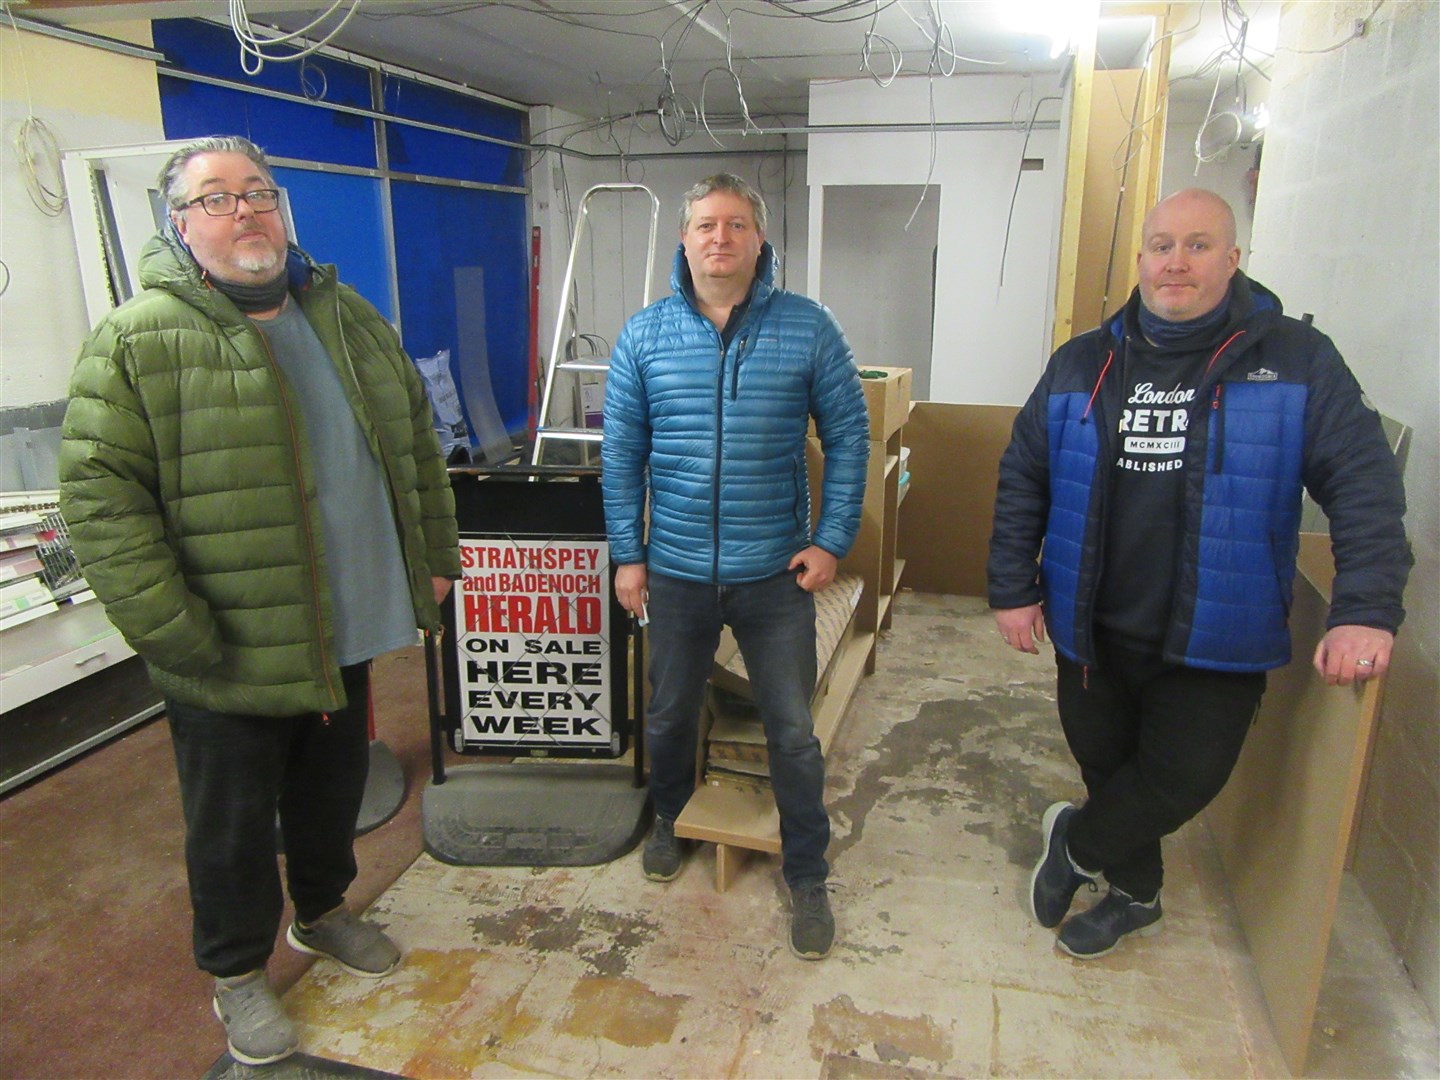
x=737, y=820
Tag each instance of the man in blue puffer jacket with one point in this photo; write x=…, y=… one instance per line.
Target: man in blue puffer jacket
x=1156, y=475
x=707, y=405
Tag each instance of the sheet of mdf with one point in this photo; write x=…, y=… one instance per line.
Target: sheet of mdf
x=1283, y=823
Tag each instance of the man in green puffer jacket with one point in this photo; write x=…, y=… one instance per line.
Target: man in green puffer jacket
x=253, y=484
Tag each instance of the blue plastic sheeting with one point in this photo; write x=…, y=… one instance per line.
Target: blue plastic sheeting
x=207, y=49
x=438, y=229
x=340, y=220
x=431, y=153
x=280, y=128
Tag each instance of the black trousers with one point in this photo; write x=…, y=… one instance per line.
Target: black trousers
x=1155, y=743
x=236, y=772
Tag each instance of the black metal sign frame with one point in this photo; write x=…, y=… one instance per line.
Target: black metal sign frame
x=535, y=656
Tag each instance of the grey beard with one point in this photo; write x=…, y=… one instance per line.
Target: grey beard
x=257, y=263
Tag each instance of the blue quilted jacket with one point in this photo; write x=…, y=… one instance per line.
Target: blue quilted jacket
x=717, y=435
x=1281, y=413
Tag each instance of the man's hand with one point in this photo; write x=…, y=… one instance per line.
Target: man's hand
x=441, y=585
x=632, y=587
x=1353, y=654
x=1021, y=627
x=819, y=568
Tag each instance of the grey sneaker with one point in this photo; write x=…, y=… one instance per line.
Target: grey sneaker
x=359, y=947
x=662, y=857
x=812, y=923
x=1054, y=881
x=256, y=1027
x=1097, y=931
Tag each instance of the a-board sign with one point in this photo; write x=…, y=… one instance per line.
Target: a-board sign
x=533, y=646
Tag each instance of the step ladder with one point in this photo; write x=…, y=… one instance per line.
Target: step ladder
x=568, y=368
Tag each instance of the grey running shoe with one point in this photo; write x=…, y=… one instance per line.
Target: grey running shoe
x=357, y=946
x=1054, y=881
x=256, y=1027
x=662, y=857
x=1097, y=931
x=812, y=923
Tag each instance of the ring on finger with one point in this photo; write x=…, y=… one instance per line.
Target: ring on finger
x=1364, y=663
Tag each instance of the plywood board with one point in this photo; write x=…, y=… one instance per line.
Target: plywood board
x=723, y=815
x=1282, y=824
x=945, y=520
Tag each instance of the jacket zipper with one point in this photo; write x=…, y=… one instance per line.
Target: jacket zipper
x=719, y=436
x=1102, y=479
x=1104, y=369
x=1216, y=403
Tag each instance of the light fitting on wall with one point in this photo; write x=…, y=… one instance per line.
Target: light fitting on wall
x=1062, y=21
x=1222, y=131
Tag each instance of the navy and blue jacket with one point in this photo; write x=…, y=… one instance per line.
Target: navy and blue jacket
x=1277, y=412
x=716, y=435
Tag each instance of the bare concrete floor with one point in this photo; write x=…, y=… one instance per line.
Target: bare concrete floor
x=937, y=781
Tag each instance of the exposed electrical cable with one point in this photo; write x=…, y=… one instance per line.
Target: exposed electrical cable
x=256, y=49
x=934, y=144
x=1228, y=9
x=36, y=147
x=1015, y=191
x=897, y=57
x=729, y=69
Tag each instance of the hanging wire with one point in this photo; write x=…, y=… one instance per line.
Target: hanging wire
x=934, y=141
x=255, y=49
x=748, y=124
x=897, y=58
x=1014, y=193
x=37, y=148
x=306, y=69
x=940, y=34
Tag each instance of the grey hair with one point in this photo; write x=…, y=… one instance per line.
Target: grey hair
x=723, y=182
x=170, y=176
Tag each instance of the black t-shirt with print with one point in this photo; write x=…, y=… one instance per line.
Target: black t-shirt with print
x=1160, y=389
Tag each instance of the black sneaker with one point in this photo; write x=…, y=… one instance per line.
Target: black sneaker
x=1054, y=881
x=812, y=924
x=1097, y=931
x=663, y=855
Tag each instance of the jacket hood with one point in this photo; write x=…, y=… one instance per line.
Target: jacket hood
x=682, y=284
x=166, y=263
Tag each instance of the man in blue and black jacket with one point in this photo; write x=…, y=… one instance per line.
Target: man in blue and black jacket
x=707, y=404
x=1148, y=515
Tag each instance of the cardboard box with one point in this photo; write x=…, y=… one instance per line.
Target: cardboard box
x=887, y=400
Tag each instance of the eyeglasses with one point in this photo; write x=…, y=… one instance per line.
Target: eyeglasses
x=224, y=203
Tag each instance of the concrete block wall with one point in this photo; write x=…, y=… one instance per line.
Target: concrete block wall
x=1345, y=227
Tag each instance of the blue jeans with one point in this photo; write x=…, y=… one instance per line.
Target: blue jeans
x=235, y=773
x=774, y=625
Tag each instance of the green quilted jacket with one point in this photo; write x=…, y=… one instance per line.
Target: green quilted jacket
x=185, y=479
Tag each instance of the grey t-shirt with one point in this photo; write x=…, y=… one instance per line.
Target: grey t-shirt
x=372, y=607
